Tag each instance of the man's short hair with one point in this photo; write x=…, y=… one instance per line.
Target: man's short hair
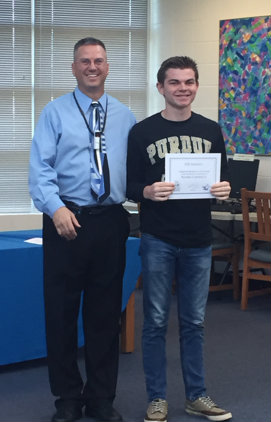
x=88, y=41
x=177, y=62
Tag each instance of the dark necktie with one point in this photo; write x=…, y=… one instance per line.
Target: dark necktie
x=100, y=178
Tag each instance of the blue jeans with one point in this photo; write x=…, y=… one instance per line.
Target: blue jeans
x=190, y=267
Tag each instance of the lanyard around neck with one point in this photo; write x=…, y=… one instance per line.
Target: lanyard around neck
x=84, y=117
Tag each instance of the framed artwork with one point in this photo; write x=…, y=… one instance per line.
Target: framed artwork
x=245, y=84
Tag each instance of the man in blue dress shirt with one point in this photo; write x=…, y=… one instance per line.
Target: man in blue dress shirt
x=84, y=237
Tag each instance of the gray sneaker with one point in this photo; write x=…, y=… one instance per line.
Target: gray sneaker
x=204, y=406
x=157, y=411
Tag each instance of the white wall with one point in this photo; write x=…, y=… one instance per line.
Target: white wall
x=191, y=27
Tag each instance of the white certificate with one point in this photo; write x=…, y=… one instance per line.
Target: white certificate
x=193, y=174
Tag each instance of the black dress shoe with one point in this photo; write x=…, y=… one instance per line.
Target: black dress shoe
x=104, y=413
x=67, y=414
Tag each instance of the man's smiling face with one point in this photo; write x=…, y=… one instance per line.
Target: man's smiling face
x=179, y=88
x=90, y=68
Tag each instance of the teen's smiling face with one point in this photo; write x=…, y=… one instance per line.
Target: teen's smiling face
x=90, y=68
x=179, y=88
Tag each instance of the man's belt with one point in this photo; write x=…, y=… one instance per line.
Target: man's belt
x=90, y=210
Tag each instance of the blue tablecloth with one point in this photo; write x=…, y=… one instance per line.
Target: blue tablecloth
x=22, y=327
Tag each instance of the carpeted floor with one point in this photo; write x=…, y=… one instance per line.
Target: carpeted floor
x=237, y=356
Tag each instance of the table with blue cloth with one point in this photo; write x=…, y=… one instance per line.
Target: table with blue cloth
x=22, y=322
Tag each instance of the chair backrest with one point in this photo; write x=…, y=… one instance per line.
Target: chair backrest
x=262, y=230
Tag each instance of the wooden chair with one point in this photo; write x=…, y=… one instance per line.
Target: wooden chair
x=257, y=243
x=228, y=252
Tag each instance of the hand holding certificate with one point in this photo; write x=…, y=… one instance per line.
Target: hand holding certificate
x=193, y=174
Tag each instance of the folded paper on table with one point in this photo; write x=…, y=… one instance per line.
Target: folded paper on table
x=34, y=240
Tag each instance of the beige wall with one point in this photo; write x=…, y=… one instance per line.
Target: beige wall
x=191, y=27
x=20, y=221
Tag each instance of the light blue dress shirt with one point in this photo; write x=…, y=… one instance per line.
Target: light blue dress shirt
x=60, y=152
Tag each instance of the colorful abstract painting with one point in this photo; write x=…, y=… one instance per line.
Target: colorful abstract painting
x=245, y=84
